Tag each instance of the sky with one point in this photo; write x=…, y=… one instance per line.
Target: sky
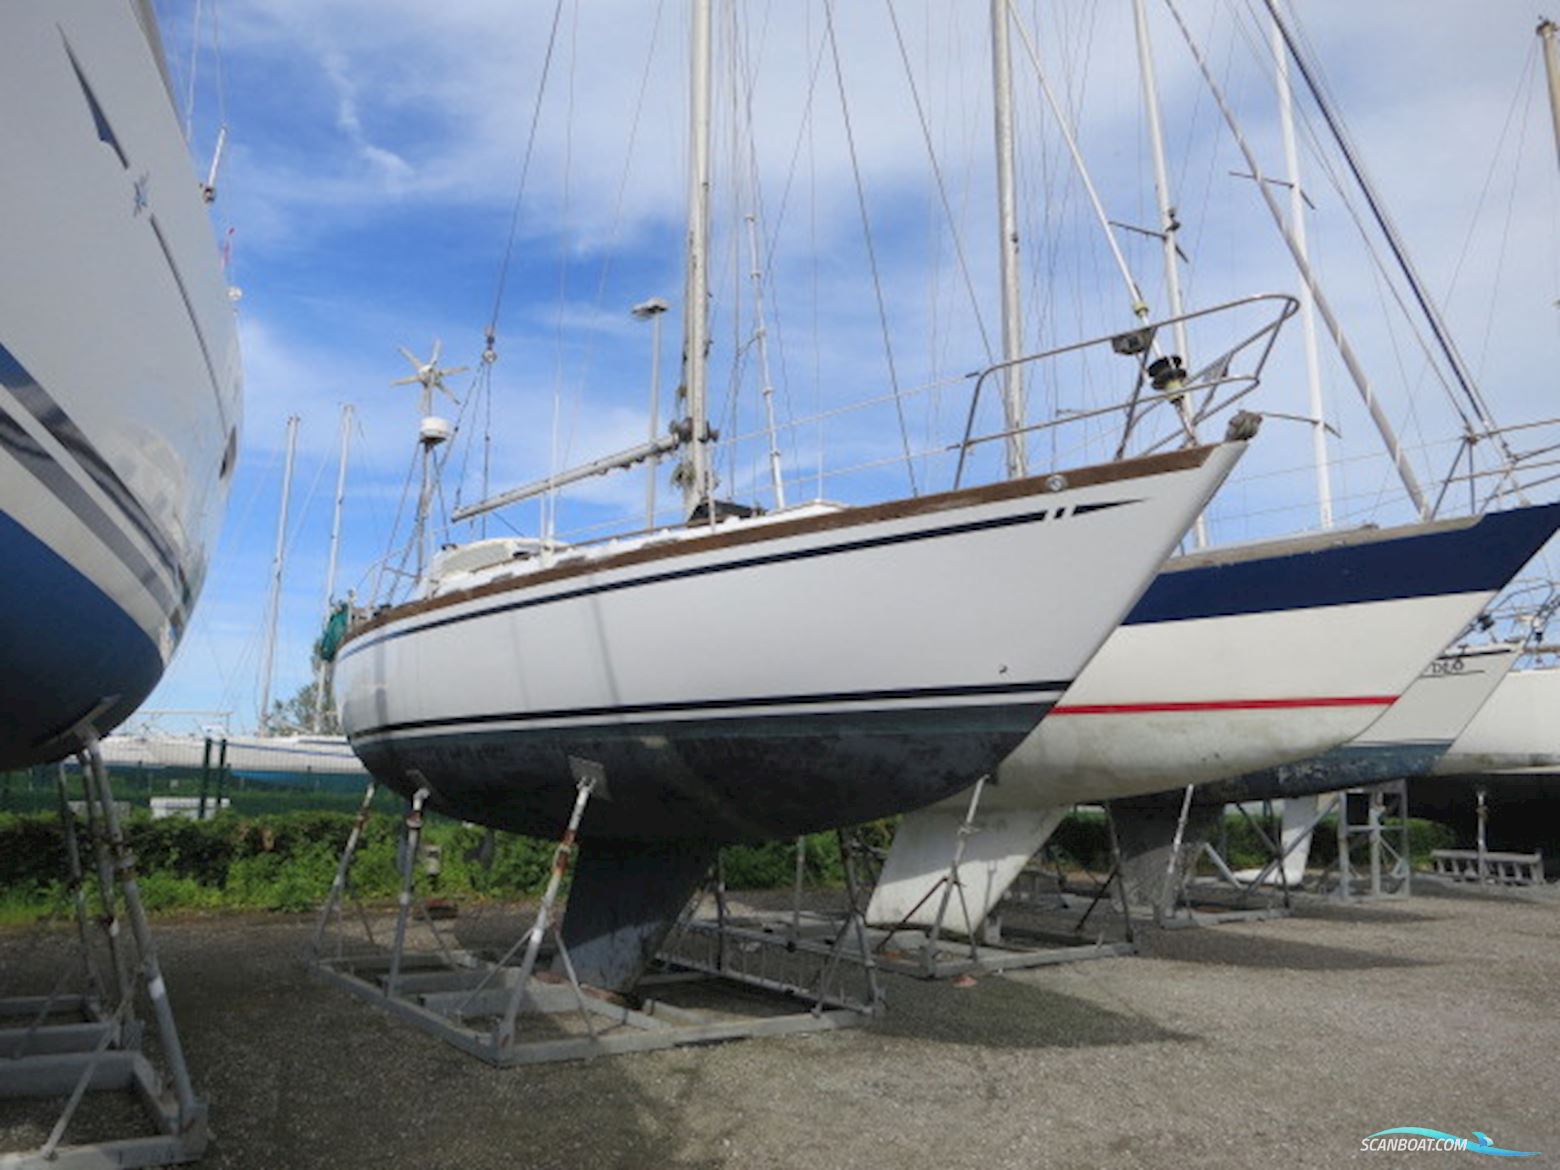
x=371, y=188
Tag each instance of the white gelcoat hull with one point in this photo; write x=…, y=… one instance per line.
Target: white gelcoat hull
x=1518, y=728
x=1356, y=659
x=278, y=756
x=1267, y=695
x=1406, y=741
x=851, y=672
x=120, y=391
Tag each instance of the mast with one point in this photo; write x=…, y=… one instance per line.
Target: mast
x=1313, y=371
x=274, y=604
x=1546, y=33
x=335, y=548
x=1168, y=226
x=761, y=336
x=1329, y=318
x=1013, y=407
x=695, y=473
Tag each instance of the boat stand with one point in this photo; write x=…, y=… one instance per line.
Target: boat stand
x=1026, y=929
x=1373, y=859
x=67, y=1044
x=1192, y=901
x=1229, y=896
x=517, y=1014
x=1487, y=867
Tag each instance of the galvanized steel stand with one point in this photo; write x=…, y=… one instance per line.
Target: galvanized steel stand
x=950, y=949
x=74, y=1043
x=823, y=961
x=485, y=1006
x=1385, y=872
x=1199, y=902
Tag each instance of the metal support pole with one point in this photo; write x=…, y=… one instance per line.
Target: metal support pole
x=858, y=919
x=1175, y=851
x=414, y=821
x=587, y=774
x=1405, y=840
x=721, y=960
x=78, y=892
x=1345, y=866
x=48, y=1152
x=156, y=988
x=222, y=769
x=796, y=891
x=1483, y=842
x=117, y=954
x=205, y=778
x=339, y=885
x=1374, y=839
x=1116, y=872
x=953, y=882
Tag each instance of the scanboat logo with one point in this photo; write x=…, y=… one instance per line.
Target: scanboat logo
x=1406, y=1138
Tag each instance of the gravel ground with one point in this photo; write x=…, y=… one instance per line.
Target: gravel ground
x=1277, y=1043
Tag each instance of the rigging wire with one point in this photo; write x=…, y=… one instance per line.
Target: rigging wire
x=189, y=100
x=525, y=170
x=1345, y=143
x=1504, y=250
x=1521, y=96
x=937, y=175
x=550, y=499
x=1407, y=315
x=866, y=227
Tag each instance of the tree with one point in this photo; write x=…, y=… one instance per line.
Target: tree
x=295, y=716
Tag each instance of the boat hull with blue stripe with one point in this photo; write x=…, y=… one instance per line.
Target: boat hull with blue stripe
x=119, y=374
x=1235, y=661
x=1249, y=657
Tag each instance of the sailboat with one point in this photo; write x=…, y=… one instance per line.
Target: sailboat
x=1260, y=658
x=119, y=374
x=741, y=678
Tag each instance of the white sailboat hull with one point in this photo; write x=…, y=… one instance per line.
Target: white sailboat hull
x=771, y=678
x=1188, y=699
x=1188, y=692
x=119, y=373
x=289, y=759
x=1518, y=728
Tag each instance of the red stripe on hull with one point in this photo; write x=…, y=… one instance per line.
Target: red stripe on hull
x=1223, y=705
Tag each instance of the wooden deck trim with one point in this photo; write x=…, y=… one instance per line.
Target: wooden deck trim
x=1125, y=469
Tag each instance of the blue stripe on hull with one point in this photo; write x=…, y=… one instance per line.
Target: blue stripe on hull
x=1343, y=767
x=64, y=647
x=696, y=778
x=1480, y=557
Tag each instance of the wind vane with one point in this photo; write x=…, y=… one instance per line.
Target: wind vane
x=431, y=432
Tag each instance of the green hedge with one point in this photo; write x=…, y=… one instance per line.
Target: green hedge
x=1083, y=839
x=286, y=861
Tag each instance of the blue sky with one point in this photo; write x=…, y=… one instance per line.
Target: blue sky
x=372, y=168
